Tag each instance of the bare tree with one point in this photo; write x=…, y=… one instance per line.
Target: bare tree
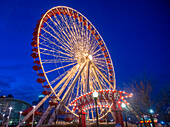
x=144, y=98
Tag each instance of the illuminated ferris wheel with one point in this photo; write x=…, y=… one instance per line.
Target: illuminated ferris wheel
x=71, y=58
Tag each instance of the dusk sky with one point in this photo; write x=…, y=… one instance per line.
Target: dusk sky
x=136, y=33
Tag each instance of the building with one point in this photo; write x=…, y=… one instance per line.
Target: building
x=17, y=106
x=41, y=108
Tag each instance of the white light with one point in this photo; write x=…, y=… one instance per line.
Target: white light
x=10, y=108
x=95, y=94
x=20, y=112
x=151, y=111
x=34, y=106
x=90, y=57
x=123, y=105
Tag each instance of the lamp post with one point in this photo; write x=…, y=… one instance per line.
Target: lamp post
x=151, y=113
x=33, y=115
x=3, y=119
x=124, y=107
x=20, y=116
x=95, y=96
x=10, y=108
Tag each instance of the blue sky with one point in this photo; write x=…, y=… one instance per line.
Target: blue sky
x=136, y=33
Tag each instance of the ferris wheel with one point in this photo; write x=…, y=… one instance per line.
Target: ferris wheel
x=71, y=58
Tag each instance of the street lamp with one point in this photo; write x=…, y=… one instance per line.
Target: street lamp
x=33, y=115
x=151, y=113
x=95, y=96
x=3, y=119
x=10, y=108
x=124, y=107
x=20, y=116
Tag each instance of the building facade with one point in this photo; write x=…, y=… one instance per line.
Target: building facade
x=17, y=106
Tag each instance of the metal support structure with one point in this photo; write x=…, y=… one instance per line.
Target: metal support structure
x=10, y=108
x=153, y=124
x=87, y=77
x=46, y=97
x=119, y=117
x=93, y=69
x=44, y=116
x=33, y=116
x=125, y=118
x=111, y=86
x=97, y=121
x=144, y=121
x=67, y=94
x=82, y=119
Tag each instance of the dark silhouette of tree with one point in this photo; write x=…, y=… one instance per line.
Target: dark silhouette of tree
x=144, y=98
x=10, y=96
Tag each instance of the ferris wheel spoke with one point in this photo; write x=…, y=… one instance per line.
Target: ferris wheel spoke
x=44, y=50
x=65, y=36
x=65, y=33
x=45, y=40
x=61, y=42
x=78, y=86
x=65, y=84
x=73, y=33
x=97, y=56
x=60, y=77
x=94, y=44
x=78, y=28
x=105, y=86
x=99, y=83
x=101, y=64
x=93, y=53
x=56, y=61
x=57, y=56
x=103, y=76
x=103, y=82
x=59, y=68
x=92, y=83
x=69, y=56
x=66, y=76
x=74, y=28
x=102, y=68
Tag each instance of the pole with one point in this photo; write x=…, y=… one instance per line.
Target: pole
x=153, y=124
x=144, y=121
x=33, y=116
x=125, y=119
x=10, y=108
x=97, y=121
x=107, y=119
x=55, y=117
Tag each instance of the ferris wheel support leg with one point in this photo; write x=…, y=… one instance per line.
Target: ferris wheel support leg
x=45, y=98
x=67, y=94
x=31, y=112
x=87, y=77
x=112, y=115
x=65, y=84
x=44, y=116
x=103, y=76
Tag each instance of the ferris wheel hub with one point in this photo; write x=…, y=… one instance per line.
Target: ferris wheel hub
x=90, y=57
